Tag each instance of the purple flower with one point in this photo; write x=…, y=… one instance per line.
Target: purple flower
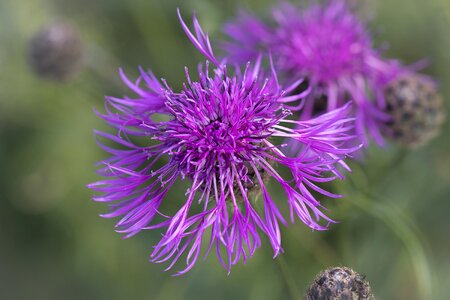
x=328, y=45
x=219, y=134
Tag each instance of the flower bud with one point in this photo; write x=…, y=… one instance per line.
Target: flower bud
x=55, y=52
x=416, y=110
x=339, y=283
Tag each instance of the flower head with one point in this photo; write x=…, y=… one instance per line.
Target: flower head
x=56, y=52
x=330, y=46
x=416, y=110
x=340, y=283
x=220, y=136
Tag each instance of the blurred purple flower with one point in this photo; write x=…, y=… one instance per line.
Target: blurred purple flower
x=219, y=137
x=329, y=46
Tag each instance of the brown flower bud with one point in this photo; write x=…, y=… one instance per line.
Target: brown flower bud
x=416, y=109
x=339, y=283
x=55, y=52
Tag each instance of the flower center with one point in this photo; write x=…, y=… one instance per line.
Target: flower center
x=219, y=133
x=326, y=47
x=328, y=56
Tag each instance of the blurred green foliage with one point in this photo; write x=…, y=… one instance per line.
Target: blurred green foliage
x=394, y=223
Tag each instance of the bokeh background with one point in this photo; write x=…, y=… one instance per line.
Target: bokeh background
x=394, y=223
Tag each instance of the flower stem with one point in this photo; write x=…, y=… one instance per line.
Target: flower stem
x=403, y=227
x=288, y=278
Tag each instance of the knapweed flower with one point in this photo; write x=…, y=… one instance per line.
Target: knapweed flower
x=220, y=135
x=331, y=47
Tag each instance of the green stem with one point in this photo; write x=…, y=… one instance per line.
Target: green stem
x=318, y=247
x=288, y=278
x=403, y=227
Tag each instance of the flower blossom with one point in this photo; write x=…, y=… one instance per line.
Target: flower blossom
x=330, y=46
x=220, y=134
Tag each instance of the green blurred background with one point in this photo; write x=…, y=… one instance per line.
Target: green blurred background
x=394, y=223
